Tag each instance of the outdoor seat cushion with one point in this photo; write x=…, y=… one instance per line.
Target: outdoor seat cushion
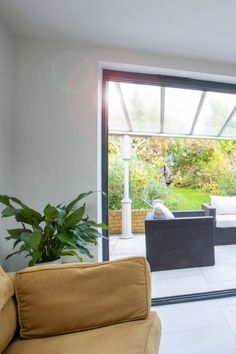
x=224, y=205
x=64, y=298
x=224, y=221
x=160, y=211
x=136, y=337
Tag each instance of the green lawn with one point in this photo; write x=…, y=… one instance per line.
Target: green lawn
x=189, y=199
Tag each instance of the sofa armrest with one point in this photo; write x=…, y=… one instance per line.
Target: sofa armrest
x=186, y=218
x=209, y=210
x=188, y=213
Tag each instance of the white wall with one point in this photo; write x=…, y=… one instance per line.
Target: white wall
x=55, y=130
x=6, y=99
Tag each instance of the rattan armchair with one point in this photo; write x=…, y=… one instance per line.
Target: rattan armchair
x=183, y=242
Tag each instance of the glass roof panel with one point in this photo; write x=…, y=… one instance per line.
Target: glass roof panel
x=116, y=118
x=215, y=111
x=230, y=130
x=143, y=106
x=180, y=110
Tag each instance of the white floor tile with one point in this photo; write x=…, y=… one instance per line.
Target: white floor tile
x=188, y=316
x=231, y=249
x=223, y=285
x=230, y=315
x=223, y=255
x=176, y=273
x=209, y=340
x=179, y=286
x=219, y=272
x=226, y=301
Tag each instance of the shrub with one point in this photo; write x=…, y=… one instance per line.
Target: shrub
x=116, y=183
x=155, y=190
x=227, y=184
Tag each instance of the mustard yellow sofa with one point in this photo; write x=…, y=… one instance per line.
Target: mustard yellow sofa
x=101, y=308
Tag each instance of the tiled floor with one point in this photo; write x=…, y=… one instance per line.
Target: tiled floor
x=203, y=327
x=183, y=281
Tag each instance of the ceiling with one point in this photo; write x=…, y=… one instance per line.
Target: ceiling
x=157, y=110
x=201, y=29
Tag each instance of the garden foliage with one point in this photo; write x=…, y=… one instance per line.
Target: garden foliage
x=160, y=166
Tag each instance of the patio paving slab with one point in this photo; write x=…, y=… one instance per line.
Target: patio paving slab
x=182, y=281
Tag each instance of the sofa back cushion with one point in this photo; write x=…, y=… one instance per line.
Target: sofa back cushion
x=223, y=204
x=8, y=319
x=72, y=297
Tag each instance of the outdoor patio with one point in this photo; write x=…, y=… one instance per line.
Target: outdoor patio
x=182, y=281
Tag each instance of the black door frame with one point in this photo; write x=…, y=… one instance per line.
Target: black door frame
x=156, y=80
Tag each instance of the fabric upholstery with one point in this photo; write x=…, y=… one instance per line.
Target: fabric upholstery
x=65, y=298
x=8, y=323
x=160, y=211
x=8, y=317
x=225, y=221
x=224, y=204
x=6, y=288
x=135, y=337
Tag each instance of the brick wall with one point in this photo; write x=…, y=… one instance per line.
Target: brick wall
x=115, y=221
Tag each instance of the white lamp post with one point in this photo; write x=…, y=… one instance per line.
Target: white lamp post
x=126, y=201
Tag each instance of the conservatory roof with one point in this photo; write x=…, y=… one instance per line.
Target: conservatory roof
x=152, y=110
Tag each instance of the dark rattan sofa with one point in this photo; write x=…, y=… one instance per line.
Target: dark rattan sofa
x=223, y=235
x=183, y=242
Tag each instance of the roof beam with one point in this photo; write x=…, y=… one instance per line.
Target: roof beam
x=202, y=99
x=123, y=106
x=171, y=135
x=162, y=117
x=227, y=122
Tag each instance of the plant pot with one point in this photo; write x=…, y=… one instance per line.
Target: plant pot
x=68, y=259
x=56, y=261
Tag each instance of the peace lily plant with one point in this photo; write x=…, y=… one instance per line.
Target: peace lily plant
x=61, y=230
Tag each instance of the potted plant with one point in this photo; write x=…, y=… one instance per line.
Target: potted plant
x=61, y=230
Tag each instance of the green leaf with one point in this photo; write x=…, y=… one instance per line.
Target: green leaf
x=101, y=225
x=64, y=238
x=29, y=216
x=16, y=232
x=48, y=231
x=72, y=253
x=17, y=201
x=16, y=243
x=4, y=199
x=73, y=219
x=93, y=233
x=86, y=251
x=9, y=211
x=24, y=248
x=36, y=257
x=32, y=239
x=50, y=212
x=70, y=206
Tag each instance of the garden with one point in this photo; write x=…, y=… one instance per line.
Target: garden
x=181, y=172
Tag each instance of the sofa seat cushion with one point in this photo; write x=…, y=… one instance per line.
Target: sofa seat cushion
x=136, y=337
x=226, y=220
